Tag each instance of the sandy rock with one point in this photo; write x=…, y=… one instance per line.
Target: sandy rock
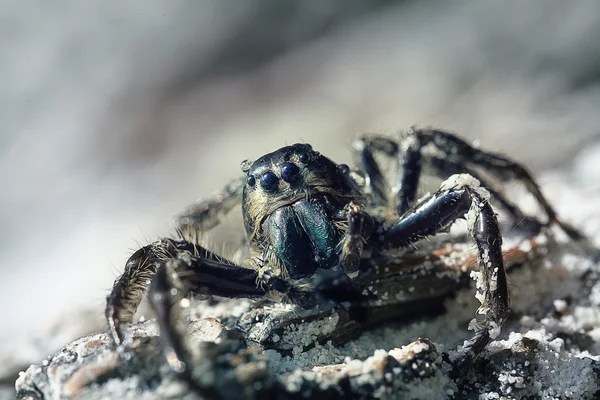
x=547, y=351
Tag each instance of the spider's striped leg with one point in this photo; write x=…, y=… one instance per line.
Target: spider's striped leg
x=436, y=214
x=497, y=165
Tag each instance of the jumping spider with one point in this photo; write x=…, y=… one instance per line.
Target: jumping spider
x=317, y=233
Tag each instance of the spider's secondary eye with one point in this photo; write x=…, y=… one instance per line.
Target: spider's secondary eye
x=251, y=180
x=303, y=158
x=289, y=172
x=269, y=181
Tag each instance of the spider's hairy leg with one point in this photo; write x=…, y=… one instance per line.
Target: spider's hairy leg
x=365, y=147
x=129, y=289
x=202, y=273
x=497, y=165
x=207, y=214
x=436, y=214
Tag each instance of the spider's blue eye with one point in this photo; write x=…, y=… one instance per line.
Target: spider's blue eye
x=251, y=180
x=269, y=181
x=289, y=172
x=303, y=157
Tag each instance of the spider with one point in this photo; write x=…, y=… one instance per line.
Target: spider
x=317, y=232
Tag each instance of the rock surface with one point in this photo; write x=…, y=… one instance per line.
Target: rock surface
x=548, y=349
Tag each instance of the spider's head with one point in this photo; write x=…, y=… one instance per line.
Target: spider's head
x=288, y=175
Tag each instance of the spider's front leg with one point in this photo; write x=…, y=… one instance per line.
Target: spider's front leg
x=182, y=269
x=202, y=272
x=458, y=197
x=196, y=270
x=129, y=289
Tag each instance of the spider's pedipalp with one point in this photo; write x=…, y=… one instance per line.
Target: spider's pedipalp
x=351, y=245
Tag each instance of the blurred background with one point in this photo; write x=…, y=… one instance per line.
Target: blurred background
x=116, y=115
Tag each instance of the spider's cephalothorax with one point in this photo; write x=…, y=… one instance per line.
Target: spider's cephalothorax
x=318, y=233
x=293, y=202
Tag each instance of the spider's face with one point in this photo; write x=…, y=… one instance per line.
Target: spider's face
x=288, y=201
x=287, y=175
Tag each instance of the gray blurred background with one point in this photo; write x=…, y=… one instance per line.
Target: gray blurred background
x=115, y=115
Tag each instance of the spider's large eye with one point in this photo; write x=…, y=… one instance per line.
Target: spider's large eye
x=269, y=181
x=289, y=172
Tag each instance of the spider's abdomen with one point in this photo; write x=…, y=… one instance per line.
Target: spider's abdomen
x=303, y=238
